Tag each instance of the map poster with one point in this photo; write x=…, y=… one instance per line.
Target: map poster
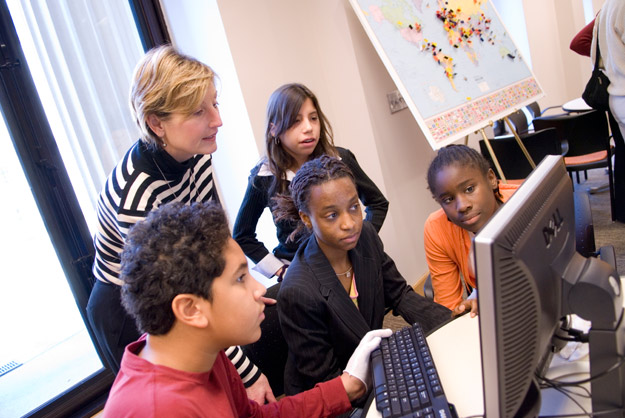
x=453, y=62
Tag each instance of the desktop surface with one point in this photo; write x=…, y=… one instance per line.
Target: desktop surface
x=455, y=349
x=576, y=105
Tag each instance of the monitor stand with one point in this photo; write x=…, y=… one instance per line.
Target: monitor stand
x=607, y=352
x=592, y=289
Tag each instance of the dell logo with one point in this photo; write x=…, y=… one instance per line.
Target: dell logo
x=551, y=229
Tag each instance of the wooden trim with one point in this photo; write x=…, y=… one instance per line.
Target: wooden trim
x=420, y=283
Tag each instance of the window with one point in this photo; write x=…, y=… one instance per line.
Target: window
x=65, y=69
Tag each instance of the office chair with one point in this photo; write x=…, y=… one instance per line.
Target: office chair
x=518, y=119
x=535, y=111
x=588, y=139
x=428, y=290
x=270, y=352
x=512, y=160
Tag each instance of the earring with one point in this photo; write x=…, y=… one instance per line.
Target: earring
x=163, y=144
x=276, y=140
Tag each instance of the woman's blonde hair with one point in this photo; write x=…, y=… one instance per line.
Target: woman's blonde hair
x=166, y=81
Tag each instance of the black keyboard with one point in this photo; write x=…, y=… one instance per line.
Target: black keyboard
x=405, y=380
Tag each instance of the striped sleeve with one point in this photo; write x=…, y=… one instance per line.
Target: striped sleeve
x=247, y=370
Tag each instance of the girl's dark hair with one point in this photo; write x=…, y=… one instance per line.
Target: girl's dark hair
x=282, y=109
x=461, y=155
x=312, y=173
x=176, y=249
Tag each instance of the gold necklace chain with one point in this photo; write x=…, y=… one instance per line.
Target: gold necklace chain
x=347, y=274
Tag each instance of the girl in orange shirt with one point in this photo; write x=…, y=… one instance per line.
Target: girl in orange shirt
x=465, y=186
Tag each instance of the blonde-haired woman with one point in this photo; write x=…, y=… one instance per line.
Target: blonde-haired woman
x=174, y=101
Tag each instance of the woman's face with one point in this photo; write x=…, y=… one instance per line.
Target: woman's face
x=466, y=195
x=187, y=135
x=335, y=216
x=300, y=140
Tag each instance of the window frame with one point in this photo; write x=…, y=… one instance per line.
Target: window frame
x=45, y=172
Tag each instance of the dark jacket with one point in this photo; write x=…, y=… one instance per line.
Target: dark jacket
x=321, y=324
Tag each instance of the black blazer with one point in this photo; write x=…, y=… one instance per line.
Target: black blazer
x=321, y=324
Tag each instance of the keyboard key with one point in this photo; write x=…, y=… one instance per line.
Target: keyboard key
x=384, y=404
x=395, y=405
x=405, y=404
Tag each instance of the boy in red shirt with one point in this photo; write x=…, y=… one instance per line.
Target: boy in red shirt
x=187, y=284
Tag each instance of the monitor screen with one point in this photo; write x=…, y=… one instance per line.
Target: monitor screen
x=520, y=255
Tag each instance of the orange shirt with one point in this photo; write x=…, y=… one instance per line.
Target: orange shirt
x=447, y=249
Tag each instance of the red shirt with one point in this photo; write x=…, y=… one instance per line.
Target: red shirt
x=582, y=42
x=143, y=389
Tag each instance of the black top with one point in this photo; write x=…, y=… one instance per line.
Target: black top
x=257, y=198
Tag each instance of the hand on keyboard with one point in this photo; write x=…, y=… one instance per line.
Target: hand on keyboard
x=358, y=363
x=405, y=380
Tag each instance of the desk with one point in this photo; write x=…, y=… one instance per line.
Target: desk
x=576, y=105
x=455, y=348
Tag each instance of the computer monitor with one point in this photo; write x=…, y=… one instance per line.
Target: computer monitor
x=529, y=276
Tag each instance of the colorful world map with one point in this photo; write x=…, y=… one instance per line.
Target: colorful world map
x=453, y=62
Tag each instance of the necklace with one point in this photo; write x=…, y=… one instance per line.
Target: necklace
x=165, y=178
x=192, y=186
x=347, y=274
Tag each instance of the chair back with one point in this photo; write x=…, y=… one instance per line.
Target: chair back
x=512, y=159
x=534, y=108
x=519, y=120
x=270, y=352
x=585, y=132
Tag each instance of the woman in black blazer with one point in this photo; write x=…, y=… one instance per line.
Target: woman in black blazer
x=341, y=281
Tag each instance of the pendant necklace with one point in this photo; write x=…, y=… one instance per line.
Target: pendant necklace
x=347, y=274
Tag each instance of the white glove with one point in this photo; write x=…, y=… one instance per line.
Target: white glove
x=358, y=364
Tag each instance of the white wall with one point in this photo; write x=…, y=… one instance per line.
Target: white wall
x=551, y=25
x=322, y=44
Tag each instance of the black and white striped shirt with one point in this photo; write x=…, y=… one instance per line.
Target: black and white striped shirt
x=142, y=181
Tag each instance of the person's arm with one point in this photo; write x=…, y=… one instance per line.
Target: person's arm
x=400, y=296
x=444, y=270
x=581, y=43
x=376, y=205
x=256, y=384
x=307, y=335
x=244, y=233
x=326, y=398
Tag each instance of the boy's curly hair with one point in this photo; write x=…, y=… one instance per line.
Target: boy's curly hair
x=176, y=249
